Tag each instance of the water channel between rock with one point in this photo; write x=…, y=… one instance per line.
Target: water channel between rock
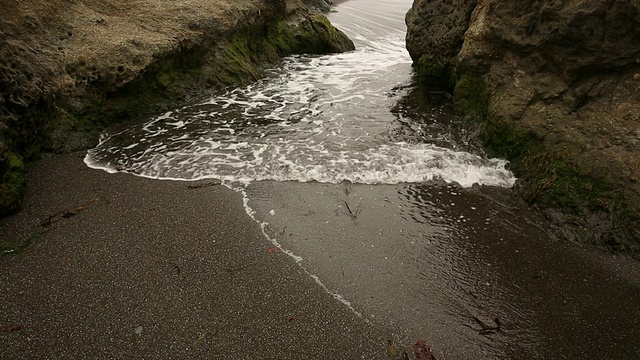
x=373, y=187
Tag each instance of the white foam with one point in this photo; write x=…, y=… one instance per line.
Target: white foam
x=305, y=161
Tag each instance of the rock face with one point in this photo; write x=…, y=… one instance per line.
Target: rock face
x=70, y=68
x=319, y=5
x=435, y=35
x=555, y=85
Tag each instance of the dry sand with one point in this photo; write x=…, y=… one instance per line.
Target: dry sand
x=154, y=269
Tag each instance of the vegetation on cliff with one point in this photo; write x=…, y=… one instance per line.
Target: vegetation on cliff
x=555, y=88
x=69, y=69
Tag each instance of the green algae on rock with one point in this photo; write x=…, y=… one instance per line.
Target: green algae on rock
x=12, y=185
x=470, y=95
x=435, y=72
x=553, y=87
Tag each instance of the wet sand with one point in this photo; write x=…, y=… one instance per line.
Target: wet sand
x=129, y=267
x=434, y=261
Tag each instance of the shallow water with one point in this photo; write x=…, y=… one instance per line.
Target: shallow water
x=378, y=193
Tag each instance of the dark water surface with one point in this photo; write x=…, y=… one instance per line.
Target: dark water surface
x=376, y=190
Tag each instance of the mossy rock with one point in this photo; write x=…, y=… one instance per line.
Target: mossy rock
x=436, y=73
x=327, y=38
x=554, y=174
x=470, y=96
x=13, y=186
x=310, y=34
x=551, y=177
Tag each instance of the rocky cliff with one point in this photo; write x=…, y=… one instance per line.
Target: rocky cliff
x=555, y=86
x=69, y=68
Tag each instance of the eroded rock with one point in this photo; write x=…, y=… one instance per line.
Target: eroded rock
x=553, y=83
x=69, y=69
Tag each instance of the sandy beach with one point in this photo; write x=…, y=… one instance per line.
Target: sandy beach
x=127, y=267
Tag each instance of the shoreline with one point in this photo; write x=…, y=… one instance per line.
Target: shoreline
x=204, y=283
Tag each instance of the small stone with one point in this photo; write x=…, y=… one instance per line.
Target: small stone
x=98, y=21
x=636, y=77
x=139, y=330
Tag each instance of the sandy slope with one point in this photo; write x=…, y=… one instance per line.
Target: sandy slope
x=187, y=265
